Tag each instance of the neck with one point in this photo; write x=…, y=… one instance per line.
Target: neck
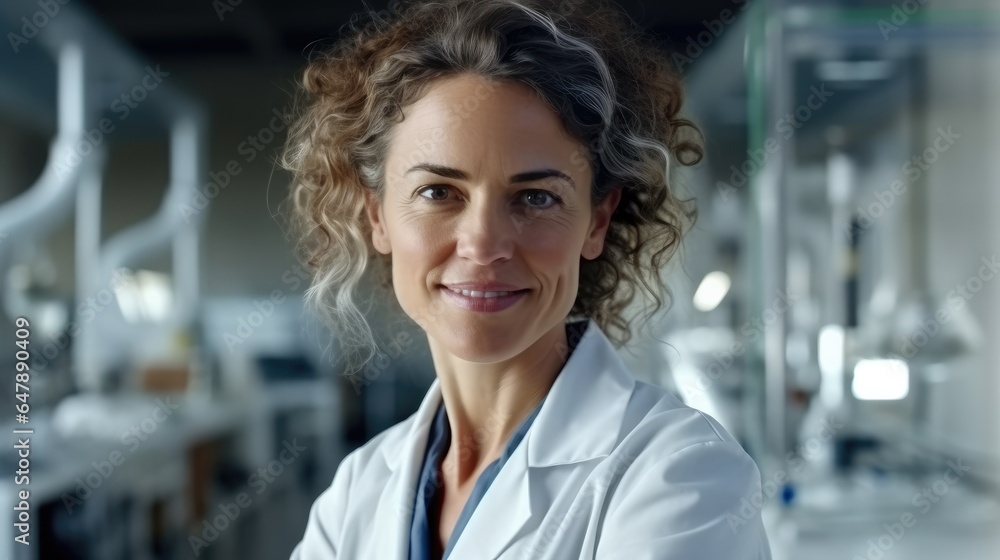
x=486, y=402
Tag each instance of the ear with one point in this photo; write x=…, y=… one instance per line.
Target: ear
x=599, y=223
x=380, y=236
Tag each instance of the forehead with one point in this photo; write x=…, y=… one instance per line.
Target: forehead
x=468, y=116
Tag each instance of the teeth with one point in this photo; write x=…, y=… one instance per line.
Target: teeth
x=471, y=293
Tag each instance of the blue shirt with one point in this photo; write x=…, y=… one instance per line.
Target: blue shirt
x=429, y=482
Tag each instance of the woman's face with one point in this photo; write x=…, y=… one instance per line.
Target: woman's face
x=483, y=186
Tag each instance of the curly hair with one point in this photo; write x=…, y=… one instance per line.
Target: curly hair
x=613, y=88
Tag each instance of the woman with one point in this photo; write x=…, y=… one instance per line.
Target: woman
x=506, y=163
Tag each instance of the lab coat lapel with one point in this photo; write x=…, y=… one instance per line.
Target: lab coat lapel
x=503, y=511
x=395, y=508
x=580, y=420
x=582, y=416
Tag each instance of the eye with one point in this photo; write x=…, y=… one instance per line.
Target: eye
x=432, y=188
x=539, y=195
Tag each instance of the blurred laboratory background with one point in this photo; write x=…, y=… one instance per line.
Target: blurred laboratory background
x=836, y=307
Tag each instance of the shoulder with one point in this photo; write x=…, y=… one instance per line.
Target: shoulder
x=359, y=479
x=678, y=479
x=655, y=418
x=671, y=446
x=664, y=444
x=371, y=456
x=333, y=508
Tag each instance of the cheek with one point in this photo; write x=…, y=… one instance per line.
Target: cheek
x=555, y=252
x=417, y=247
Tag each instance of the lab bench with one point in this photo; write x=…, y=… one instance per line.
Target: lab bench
x=239, y=476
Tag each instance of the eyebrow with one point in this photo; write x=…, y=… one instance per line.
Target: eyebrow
x=459, y=175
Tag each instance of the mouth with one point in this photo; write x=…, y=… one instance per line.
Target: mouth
x=482, y=294
x=474, y=300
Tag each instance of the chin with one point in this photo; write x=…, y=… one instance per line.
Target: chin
x=478, y=345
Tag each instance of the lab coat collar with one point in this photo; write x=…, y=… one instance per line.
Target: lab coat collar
x=589, y=396
x=594, y=379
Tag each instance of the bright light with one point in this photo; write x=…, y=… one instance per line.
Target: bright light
x=713, y=288
x=881, y=380
x=830, y=351
x=147, y=296
x=830, y=354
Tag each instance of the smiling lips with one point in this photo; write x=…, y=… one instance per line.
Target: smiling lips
x=483, y=300
x=483, y=289
x=479, y=294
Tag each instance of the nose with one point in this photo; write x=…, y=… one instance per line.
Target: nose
x=486, y=232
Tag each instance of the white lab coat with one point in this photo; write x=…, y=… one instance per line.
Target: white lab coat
x=611, y=468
